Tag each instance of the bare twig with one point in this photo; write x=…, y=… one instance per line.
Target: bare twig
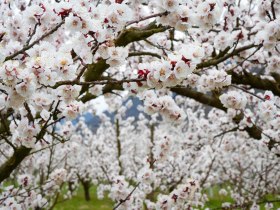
x=104, y=82
x=214, y=61
x=253, y=94
x=247, y=58
x=8, y=142
x=147, y=17
x=144, y=53
x=225, y=132
x=127, y=197
x=273, y=10
x=25, y=48
x=32, y=34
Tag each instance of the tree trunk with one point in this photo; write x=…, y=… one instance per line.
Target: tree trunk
x=119, y=146
x=86, y=186
x=10, y=165
x=71, y=186
x=152, y=136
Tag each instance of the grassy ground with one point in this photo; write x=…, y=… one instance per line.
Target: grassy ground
x=216, y=200
x=78, y=201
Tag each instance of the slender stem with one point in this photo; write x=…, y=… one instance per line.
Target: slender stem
x=127, y=197
x=25, y=48
x=253, y=94
x=104, y=82
x=144, y=53
x=147, y=17
x=32, y=34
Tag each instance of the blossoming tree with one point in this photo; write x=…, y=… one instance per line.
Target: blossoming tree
x=149, y=161
x=57, y=56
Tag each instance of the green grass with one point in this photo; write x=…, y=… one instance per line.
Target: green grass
x=215, y=199
x=78, y=202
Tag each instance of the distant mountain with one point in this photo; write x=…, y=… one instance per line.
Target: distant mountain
x=93, y=121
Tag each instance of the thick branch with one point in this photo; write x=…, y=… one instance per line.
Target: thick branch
x=107, y=89
x=13, y=162
x=95, y=70
x=200, y=97
x=215, y=102
x=255, y=81
x=136, y=34
x=219, y=58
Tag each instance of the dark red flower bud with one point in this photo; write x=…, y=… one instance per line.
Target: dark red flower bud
x=174, y=197
x=173, y=64
x=143, y=73
x=212, y=6
x=187, y=61
x=267, y=97
x=185, y=19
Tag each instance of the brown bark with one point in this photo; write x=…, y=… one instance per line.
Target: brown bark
x=95, y=70
x=213, y=101
x=13, y=162
x=256, y=81
x=86, y=187
x=119, y=146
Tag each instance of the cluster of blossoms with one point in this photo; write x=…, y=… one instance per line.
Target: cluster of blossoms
x=184, y=13
x=24, y=133
x=26, y=194
x=268, y=110
x=178, y=197
x=162, y=149
x=233, y=100
x=269, y=35
x=26, y=199
x=114, y=56
x=119, y=190
x=214, y=80
x=165, y=105
x=171, y=73
x=273, y=64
